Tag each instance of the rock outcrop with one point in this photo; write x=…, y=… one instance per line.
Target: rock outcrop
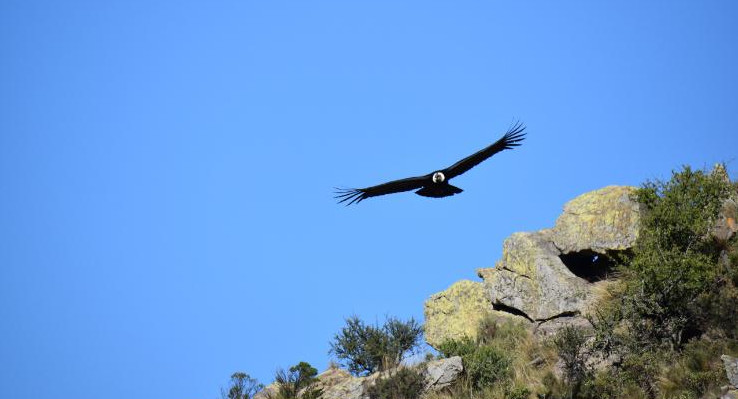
x=340, y=384
x=455, y=312
x=533, y=280
x=548, y=277
x=727, y=224
x=731, y=369
x=599, y=221
x=442, y=373
x=348, y=387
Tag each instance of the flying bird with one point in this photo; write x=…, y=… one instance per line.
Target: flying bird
x=435, y=184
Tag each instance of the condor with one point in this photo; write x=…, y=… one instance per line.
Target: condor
x=435, y=184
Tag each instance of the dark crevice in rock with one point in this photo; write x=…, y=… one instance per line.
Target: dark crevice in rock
x=563, y=314
x=515, y=273
x=558, y=249
x=589, y=265
x=509, y=309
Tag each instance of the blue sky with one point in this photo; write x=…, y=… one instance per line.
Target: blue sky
x=167, y=168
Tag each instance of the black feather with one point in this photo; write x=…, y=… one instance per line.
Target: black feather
x=512, y=138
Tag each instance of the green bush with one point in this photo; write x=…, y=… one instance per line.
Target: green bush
x=674, y=271
x=458, y=347
x=242, y=387
x=642, y=370
x=405, y=383
x=484, y=365
x=611, y=384
x=571, y=344
x=677, y=284
x=518, y=393
x=698, y=370
x=299, y=380
x=364, y=349
x=487, y=366
x=722, y=312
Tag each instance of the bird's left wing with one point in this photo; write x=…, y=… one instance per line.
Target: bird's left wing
x=512, y=138
x=356, y=195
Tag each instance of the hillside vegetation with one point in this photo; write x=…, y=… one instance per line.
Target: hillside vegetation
x=664, y=317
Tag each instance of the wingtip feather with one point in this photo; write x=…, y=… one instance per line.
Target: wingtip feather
x=349, y=195
x=514, y=135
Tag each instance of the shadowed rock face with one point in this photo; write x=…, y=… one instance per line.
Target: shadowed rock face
x=589, y=265
x=532, y=278
x=546, y=277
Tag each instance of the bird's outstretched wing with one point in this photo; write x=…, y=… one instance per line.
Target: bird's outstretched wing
x=356, y=195
x=511, y=139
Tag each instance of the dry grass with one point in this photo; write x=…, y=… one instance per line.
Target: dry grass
x=530, y=359
x=602, y=293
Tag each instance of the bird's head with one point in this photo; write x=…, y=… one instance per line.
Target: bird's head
x=438, y=177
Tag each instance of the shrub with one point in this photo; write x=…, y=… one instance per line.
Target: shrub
x=676, y=284
x=458, y=347
x=698, y=370
x=554, y=388
x=405, y=383
x=674, y=270
x=642, y=369
x=505, y=360
x=299, y=380
x=518, y=393
x=662, y=328
x=571, y=344
x=722, y=313
x=365, y=349
x=487, y=366
x=483, y=365
x=611, y=384
x=242, y=387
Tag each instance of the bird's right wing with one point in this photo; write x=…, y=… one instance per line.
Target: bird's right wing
x=511, y=139
x=356, y=195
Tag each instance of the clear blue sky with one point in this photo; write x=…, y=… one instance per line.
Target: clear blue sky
x=167, y=167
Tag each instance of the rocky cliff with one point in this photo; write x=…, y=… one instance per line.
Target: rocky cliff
x=550, y=278
x=547, y=278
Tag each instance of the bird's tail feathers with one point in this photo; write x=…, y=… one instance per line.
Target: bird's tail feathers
x=439, y=191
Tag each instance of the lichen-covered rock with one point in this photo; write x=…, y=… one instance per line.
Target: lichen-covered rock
x=532, y=279
x=731, y=369
x=340, y=384
x=455, y=312
x=726, y=225
x=599, y=221
x=336, y=382
x=442, y=373
x=350, y=388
